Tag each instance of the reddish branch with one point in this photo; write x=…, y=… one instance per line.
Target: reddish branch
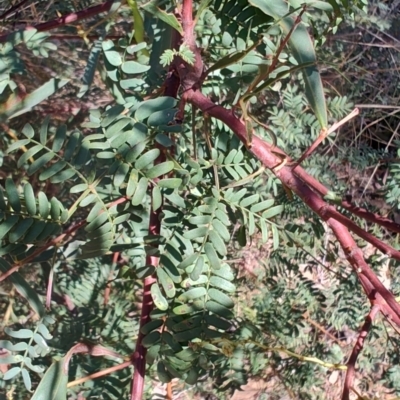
x=263, y=151
x=67, y=19
x=351, y=364
x=171, y=87
x=331, y=212
x=52, y=242
x=13, y=9
x=307, y=188
x=139, y=356
x=360, y=212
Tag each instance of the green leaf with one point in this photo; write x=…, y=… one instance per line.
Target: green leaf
x=220, y=298
x=111, y=114
x=40, y=163
x=29, y=153
x=176, y=199
x=133, y=67
x=20, y=229
x=42, y=329
x=229, y=59
x=273, y=211
x=219, y=309
x=82, y=156
x=74, y=142
x=160, y=169
x=113, y=57
x=223, y=284
x=242, y=239
x=186, y=283
x=196, y=233
x=20, y=334
x=151, y=339
x=80, y=187
x=163, y=117
x=221, y=229
x=13, y=195
x=151, y=106
x=132, y=183
x=56, y=208
x=212, y=256
x=3, y=204
x=43, y=130
x=52, y=170
x=222, y=216
x=27, y=379
x=200, y=219
x=53, y=385
x=218, y=243
x=156, y=198
x=147, y=159
x=188, y=261
x=117, y=127
x=275, y=8
x=17, y=145
x=34, y=98
x=198, y=269
x=23, y=289
x=170, y=268
x=170, y=183
x=98, y=221
x=59, y=138
x=275, y=237
x=151, y=326
x=188, y=309
x=168, y=339
x=159, y=300
x=40, y=341
x=169, y=18
x=28, y=131
x=192, y=294
x=218, y=322
x=34, y=368
x=249, y=200
x=262, y=205
x=303, y=50
x=11, y=373
x=166, y=282
x=119, y=177
x=264, y=230
x=44, y=205
x=7, y=225
x=140, y=192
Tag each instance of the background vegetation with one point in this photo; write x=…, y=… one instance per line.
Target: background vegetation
x=115, y=194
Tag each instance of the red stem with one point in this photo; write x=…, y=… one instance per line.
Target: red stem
x=331, y=212
x=360, y=212
x=262, y=151
x=67, y=19
x=139, y=356
x=351, y=364
x=171, y=87
x=12, y=9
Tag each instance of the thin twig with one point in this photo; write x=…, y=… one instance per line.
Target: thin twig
x=351, y=364
x=53, y=242
x=99, y=374
x=12, y=9
x=67, y=19
x=324, y=133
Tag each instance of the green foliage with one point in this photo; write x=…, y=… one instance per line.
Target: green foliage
x=184, y=52
x=33, y=348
